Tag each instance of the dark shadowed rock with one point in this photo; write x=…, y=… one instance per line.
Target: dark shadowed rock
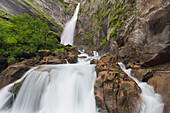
x=12, y=73
x=3, y=63
x=72, y=58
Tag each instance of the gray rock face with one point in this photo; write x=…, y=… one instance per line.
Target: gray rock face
x=149, y=41
x=52, y=12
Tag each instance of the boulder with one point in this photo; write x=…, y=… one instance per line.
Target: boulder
x=72, y=58
x=12, y=73
x=143, y=75
x=115, y=92
x=52, y=60
x=162, y=86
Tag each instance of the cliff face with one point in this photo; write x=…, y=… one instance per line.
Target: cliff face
x=51, y=11
x=136, y=29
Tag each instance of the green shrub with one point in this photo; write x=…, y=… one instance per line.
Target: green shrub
x=22, y=34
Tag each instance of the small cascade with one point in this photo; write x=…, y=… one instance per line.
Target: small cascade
x=152, y=102
x=67, y=36
x=29, y=96
x=88, y=58
x=62, y=88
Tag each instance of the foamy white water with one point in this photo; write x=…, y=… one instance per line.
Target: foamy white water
x=62, y=88
x=88, y=58
x=152, y=102
x=67, y=36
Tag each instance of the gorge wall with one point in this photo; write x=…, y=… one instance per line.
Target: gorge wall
x=136, y=32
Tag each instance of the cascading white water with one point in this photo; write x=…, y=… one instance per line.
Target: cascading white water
x=67, y=36
x=62, y=88
x=66, y=88
x=152, y=102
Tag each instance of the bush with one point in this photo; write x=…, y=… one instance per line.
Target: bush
x=22, y=34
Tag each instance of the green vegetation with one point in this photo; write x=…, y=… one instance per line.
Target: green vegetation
x=117, y=12
x=104, y=41
x=24, y=34
x=61, y=50
x=32, y=7
x=62, y=4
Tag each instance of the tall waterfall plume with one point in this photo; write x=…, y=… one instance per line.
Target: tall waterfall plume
x=67, y=36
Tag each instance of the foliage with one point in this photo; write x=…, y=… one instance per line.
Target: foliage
x=59, y=50
x=104, y=41
x=22, y=34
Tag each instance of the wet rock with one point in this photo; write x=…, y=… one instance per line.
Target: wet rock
x=30, y=62
x=27, y=55
x=72, y=50
x=114, y=91
x=3, y=63
x=43, y=53
x=15, y=89
x=82, y=57
x=72, y=58
x=12, y=73
x=142, y=75
x=52, y=60
x=162, y=86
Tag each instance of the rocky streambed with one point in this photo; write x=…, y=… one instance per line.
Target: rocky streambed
x=114, y=91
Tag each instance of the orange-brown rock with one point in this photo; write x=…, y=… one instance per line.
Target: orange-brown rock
x=72, y=58
x=115, y=92
x=161, y=85
x=52, y=60
x=82, y=57
x=142, y=74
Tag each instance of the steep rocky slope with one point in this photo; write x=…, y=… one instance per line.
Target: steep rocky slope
x=51, y=11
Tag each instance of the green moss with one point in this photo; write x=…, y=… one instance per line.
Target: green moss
x=114, y=30
x=116, y=19
x=104, y=41
x=53, y=33
x=59, y=50
x=47, y=51
x=2, y=12
x=87, y=37
x=62, y=4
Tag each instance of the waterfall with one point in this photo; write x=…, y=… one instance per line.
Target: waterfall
x=67, y=36
x=152, y=102
x=62, y=88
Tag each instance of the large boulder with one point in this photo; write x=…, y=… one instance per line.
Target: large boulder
x=162, y=86
x=115, y=92
x=12, y=73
